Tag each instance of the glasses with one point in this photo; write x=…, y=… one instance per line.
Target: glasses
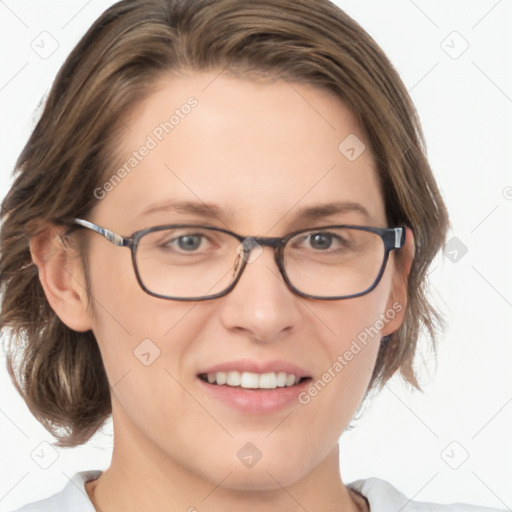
x=188, y=262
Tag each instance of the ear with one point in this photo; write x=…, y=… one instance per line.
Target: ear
x=397, y=301
x=61, y=276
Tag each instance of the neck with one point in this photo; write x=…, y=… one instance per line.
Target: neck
x=142, y=477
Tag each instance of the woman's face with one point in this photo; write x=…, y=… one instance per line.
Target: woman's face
x=260, y=153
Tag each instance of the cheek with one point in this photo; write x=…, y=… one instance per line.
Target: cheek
x=135, y=331
x=358, y=321
x=351, y=344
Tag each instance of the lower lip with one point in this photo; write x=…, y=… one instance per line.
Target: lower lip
x=256, y=401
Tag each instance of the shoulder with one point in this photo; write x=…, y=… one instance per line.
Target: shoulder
x=384, y=497
x=72, y=497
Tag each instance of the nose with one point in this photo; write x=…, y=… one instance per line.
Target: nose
x=261, y=305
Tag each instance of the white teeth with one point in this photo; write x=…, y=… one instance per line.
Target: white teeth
x=250, y=380
x=233, y=379
x=281, y=380
x=268, y=381
x=220, y=378
x=290, y=379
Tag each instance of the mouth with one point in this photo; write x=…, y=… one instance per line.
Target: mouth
x=254, y=387
x=253, y=380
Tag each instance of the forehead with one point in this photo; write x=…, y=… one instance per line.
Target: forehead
x=261, y=151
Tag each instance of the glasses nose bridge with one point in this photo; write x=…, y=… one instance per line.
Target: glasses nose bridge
x=265, y=241
x=254, y=242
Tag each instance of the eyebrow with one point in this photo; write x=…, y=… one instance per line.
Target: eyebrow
x=209, y=210
x=201, y=209
x=316, y=212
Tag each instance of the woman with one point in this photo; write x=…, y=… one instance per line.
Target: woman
x=219, y=234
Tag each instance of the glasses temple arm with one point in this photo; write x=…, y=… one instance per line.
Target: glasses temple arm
x=104, y=232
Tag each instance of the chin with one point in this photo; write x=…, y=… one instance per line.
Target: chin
x=265, y=478
x=269, y=473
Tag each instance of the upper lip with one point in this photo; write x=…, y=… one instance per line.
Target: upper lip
x=250, y=365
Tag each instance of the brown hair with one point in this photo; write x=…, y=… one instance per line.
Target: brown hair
x=58, y=371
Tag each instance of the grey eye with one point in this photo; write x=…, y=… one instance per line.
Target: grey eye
x=189, y=242
x=320, y=240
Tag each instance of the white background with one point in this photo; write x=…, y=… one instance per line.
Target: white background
x=416, y=441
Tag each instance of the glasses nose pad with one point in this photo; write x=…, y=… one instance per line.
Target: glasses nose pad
x=243, y=251
x=249, y=250
x=236, y=265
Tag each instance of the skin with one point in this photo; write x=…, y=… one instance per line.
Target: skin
x=260, y=151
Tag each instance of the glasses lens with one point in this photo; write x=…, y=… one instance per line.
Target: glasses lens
x=334, y=262
x=187, y=262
